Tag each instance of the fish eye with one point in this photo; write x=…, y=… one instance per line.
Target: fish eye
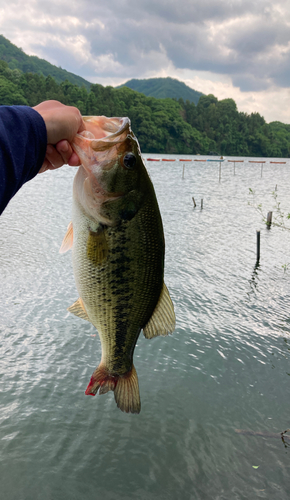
x=129, y=161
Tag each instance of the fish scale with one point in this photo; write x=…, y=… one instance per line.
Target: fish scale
x=118, y=249
x=109, y=282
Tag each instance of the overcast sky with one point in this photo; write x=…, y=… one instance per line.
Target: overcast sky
x=229, y=48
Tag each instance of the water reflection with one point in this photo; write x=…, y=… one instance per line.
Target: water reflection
x=226, y=366
x=254, y=281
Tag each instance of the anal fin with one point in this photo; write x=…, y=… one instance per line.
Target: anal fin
x=162, y=321
x=78, y=309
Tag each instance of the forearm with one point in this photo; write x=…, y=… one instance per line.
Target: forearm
x=23, y=141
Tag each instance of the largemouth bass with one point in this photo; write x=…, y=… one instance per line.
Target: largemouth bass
x=117, y=242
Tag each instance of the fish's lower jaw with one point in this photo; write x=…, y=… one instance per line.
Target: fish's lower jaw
x=125, y=388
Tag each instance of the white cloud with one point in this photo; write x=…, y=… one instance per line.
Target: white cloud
x=269, y=103
x=233, y=47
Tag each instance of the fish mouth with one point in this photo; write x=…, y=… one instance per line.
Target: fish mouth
x=107, y=131
x=99, y=148
x=99, y=145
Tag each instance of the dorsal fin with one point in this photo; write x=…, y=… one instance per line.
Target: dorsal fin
x=162, y=321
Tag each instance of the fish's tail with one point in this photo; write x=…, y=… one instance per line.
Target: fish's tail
x=125, y=387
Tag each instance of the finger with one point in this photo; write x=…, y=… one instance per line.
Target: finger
x=65, y=150
x=74, y=160
x=62, y=122
x=68, y=155
x=82, y=126
x=46, y=166
x=54, y=157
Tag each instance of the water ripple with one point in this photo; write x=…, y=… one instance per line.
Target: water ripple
x=226, y=366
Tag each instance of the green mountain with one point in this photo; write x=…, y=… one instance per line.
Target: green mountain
x=163, y=125
x=17, y=59
x=164, y=87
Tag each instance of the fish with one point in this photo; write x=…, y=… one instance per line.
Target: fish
x=275, y=435
x=117, y=241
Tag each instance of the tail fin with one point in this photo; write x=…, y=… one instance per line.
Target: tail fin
x=125, y=387
x=127, y=392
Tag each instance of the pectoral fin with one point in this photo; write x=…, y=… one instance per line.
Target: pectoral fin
x=97, y=247
x=162, y=321
x=78, y=309
x=68, y=239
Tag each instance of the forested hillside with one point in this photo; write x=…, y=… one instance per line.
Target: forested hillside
x=236, y=133
x=17, y=59
x=161, y=125
x=164, y=87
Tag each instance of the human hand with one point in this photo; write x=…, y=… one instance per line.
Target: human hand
x=59, y=155
x=62, y=124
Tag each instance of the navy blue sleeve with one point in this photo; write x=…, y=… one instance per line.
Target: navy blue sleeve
x=23, y=141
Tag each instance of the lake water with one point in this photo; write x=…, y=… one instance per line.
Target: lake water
x=226, y=367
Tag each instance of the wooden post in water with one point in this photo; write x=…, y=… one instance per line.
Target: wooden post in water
x=234, y=162
x=183, y=171
x=258, y=245
x=201, y=204
x=194, y=204
x=269, y=219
